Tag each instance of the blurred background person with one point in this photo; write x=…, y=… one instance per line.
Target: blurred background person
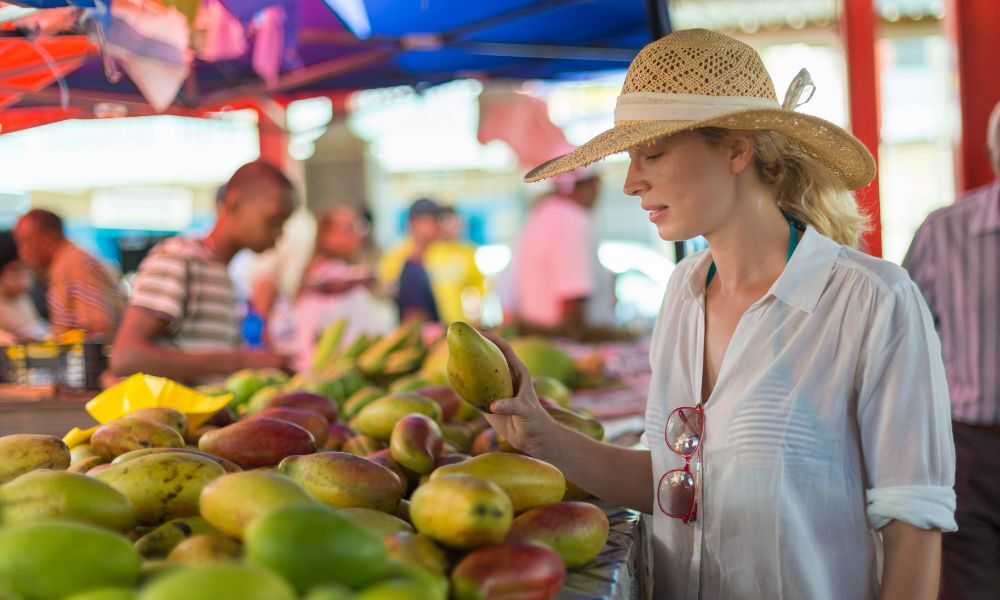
x=559, y=285
x=82, y=293
x=457, y=282
x=184, y=321
x=955, y=260
x=404, y=270
x=18, y=318
x=338, y=283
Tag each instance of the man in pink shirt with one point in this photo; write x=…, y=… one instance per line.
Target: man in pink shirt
x=553, y=260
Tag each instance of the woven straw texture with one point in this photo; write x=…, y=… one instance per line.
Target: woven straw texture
x=698, y=61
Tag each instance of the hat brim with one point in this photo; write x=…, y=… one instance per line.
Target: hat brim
x=840, y=151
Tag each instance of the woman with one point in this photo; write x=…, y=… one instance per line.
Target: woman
x=798, y=418
x=337, y=285
x=18, y=318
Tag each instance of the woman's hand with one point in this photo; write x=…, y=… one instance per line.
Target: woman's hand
x=520, y=420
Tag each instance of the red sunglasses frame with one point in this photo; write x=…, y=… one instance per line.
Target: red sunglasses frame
x=692, y=512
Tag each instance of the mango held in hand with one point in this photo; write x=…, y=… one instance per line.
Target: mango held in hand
x=511, y=570
x=461, y=511
x=230, y=502
x=162, y=486
x=313, y=545
x=42, y=495
x=416, y=443
x=344, y=480
x=132, y=433
x=219, y=582
x=528, y=482
x=54, y=559
x=258, y=442
x=576, y=530
x=24, y=452
x=477, y=369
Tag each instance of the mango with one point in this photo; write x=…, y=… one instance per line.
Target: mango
x=553, y=389
x=461, y=511
x=53, y=559
x=260, y=442
x=24, y=452
x=510, y=570
x=378, y=418
x=107, y=593
x=227, y=465
x=406, y=581
x=259, y=400
x=160, y=541
x=226, y=416
x=151, y=570
x=360, y=399
x=403, y=511
x=311, y=421
x=376, y=521
x=435, y=367
x=403, y=361
x=206, y=549
x=362, y=445
x=80, y=452
x=487, y=441
x=219, y=582
x=384, y=457
x=162, y=486
x=243, y=384
x=132, y=433
x=477, y=369
x=171, y=417
x=545, y=359
x=343, y=480
x=337, y=436
x=409, y=383
x=194, y=436
x=301, y=400
x=576, y=530
x=230, y=502
x=45, y=494
x=528, y=481
x=447, y=398
x=417, y=549
x=416, y=443
x=458, y=434
x=578, y=421
x=330, y=591
x=85, y=465
x=313, y=545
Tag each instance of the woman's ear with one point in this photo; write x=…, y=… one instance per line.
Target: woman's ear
x=740, y=152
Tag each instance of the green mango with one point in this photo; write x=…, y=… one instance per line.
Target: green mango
x=53, y=559
x=219, y=582
x=44, y=494
x=545, y=359
x=477, y=369
x=378, y=418
x=24, y=452
x=361, y=399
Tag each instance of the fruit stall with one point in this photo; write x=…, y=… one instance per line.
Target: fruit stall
x=371, y=475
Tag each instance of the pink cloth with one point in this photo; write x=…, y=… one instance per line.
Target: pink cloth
x=553, y=260
x=522, y=121
x=224, y=37
x=269, y=43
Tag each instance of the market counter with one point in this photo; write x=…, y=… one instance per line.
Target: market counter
x=623, y=569
x=42, y=410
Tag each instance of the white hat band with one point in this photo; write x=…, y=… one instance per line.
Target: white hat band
x=661, y=106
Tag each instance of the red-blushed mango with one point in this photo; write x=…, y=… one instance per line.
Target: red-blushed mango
x=337, y=436
x=310, y=420
x=417, y=549
x=486, y=441
x=363, y=445
x=513, y=570
x=342, y=480
x=171, y=417
x=416, y=443
x=446, y=397
x=304, y=401
x=205, y=549
x=576, y=530
x=132, y=433
x=461, y=511
x=260, y=442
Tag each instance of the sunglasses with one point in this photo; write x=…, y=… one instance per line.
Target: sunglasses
x=676, y=493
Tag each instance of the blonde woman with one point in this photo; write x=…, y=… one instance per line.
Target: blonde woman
x=798, y=420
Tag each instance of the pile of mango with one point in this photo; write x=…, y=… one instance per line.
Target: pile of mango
x=364, y=492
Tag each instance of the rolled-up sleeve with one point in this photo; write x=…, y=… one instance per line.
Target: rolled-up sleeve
x=904, y=415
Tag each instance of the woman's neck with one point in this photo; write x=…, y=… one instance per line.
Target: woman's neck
x=751, y=248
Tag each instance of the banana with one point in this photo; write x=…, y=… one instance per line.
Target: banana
x=328, y=344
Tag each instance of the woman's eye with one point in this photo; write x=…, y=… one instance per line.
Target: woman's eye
x=654, y=156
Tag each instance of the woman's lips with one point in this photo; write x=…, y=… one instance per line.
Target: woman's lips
x=655, y=215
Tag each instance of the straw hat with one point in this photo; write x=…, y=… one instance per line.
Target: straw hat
x=698, y=78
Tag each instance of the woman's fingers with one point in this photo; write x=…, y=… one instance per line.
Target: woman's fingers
x=519, y=373
x=508, y=406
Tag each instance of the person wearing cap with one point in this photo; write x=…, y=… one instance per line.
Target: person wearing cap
x=18, y=318
x=82, y=294
x=797, y=424
x=404, y=268
x=183, y=321
x=955, y=259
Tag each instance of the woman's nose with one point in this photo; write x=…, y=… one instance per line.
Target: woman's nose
x=634, y=183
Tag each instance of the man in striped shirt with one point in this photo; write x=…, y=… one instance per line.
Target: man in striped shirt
x=82, y=293
x=183, y=321
x=955, y=259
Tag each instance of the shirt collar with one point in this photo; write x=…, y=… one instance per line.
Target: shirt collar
x=988, y=216
x=800, y=284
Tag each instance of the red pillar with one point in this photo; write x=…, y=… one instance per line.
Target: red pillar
x=273, y=135
x=973, y=27
x=859, y=19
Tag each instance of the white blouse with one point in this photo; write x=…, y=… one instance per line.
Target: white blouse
x=830, y=418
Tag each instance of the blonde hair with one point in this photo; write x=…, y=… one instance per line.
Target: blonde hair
x=803, y=186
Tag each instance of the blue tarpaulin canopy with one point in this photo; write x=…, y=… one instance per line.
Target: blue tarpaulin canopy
x=345, y=45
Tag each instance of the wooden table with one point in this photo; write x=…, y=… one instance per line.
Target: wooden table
x=42, y=410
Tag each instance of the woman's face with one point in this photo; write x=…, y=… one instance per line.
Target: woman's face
x=15, y=279
x=343, y=233
x=686, y=184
